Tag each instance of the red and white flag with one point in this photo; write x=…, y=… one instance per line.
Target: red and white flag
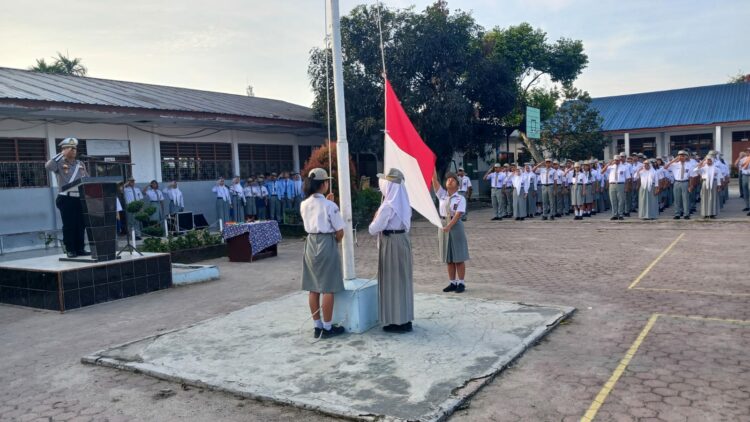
x=406, y=151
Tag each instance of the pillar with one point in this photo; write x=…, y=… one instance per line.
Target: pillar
x=627, y=144
x=717, y=139
x=235, y=155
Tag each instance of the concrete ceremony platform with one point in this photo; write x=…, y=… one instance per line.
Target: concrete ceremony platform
x=267, y=352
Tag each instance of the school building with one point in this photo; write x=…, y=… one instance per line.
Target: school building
x=167, y=133
x=700, y=119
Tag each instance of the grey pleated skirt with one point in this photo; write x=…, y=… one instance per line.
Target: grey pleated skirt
x=395, y=288
x=576, y=195
x=250, y=208
x=453, y=245
x=588, y=194
x=321, y=265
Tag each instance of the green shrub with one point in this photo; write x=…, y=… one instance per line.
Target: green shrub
x=155, y=244
x=155, y=230
x=134, y=207
x=364, y=205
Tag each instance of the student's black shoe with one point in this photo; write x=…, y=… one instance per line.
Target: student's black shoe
x=544, y=218
x=613, y=218
x=83, y=253
x=558, y=215
x=398, y=328
x=523, y=218
x=577, y=217
x=460, y=288
x=537, y=214
x=316, y=332
x=451, y=288
x=137, y=238
x=495, y=218
x=627, y=214
x=390, y=328
x=676, y=217
x=518, y=218
x=333, y=332
x=71, y=254
x=687, y=217
x=551, y=217
x=748, y=214
x=746, y=209
x=712, y=216
x=621, y=218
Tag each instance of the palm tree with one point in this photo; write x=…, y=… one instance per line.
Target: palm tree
x=62, y=65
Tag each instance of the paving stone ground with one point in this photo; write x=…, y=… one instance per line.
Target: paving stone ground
x=684, y=369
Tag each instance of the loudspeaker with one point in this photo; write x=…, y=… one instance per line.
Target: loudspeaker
x=185, y=221
x=199, y=221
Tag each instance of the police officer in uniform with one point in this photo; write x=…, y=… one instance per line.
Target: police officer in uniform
x=68, y=169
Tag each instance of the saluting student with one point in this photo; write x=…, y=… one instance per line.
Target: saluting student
x=682, y=170
x=577, y=181
x=156, y=198
x=321, y=265
x=547, y=178
x=132, y=194
x=223, y=201
x=495, y=176
x=237, y=193
x=464, y=189
x=710, y=186
x=261, y=198
x=454, y=249
x=648, y=206
x=176, y=200
x=618, y=175
x=251, y=210
x=520, y=194
x=391, y=224
x=531, y=197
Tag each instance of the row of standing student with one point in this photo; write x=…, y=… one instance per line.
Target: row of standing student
x=259, y=198
x=585, y=188
x=322, y=275
x=166, y=202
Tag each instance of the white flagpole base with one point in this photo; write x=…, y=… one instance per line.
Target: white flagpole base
x=356, y=308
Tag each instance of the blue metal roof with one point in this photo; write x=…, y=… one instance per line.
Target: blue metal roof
x=702, y=105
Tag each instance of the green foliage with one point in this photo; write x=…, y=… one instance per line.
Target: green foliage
x=462, y=86
x=134, y=206
x=575, y=130
x=739, y=78
x=153, y=230
x=364, y=205
x=190, y=240
x=61, y=65
x=143, y=217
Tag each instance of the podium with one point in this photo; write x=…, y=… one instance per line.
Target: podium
x=98, y=200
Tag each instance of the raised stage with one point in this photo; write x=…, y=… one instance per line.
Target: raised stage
x=48, y=283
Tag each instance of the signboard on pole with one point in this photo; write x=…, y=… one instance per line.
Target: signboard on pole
x=533, y=123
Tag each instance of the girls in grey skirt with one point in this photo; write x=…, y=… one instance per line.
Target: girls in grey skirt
x=321, y=266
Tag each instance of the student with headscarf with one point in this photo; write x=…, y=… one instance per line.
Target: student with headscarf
x=520, y=194
x=237, y=195
x=321, y=266
x=261, y=198
x=176, y=200
x=250, y=209
x=710, y=177
x=531, y=197
x=156, y=198
x=648, y=191
x=391, y=224
x=454, y=249
x=223, y=200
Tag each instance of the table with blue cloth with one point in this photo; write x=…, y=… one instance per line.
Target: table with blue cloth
x=252, y=241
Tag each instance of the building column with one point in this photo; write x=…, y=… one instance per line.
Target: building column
x=717, y=139
x=613, y=143
x=156, y=141
x=235, y=156
x=295, y=158
x=607, y=152
x=627, y=143
x=660, y=145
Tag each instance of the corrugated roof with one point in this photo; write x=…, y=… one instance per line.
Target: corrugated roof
x=27, y=85
x=680, y=107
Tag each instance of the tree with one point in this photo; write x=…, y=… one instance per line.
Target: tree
x=739, y=78
x=61, y=65
x=448, y=85
x=575, y=130
x=530, y=57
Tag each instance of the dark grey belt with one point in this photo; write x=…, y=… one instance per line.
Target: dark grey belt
x=390, y=232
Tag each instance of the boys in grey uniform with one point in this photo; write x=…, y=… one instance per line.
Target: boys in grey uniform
x=495, y=177
x=464, y=189
x=618, y=175
x=548, y=180
x=682, y=171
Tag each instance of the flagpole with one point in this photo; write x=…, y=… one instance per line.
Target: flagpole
x=342, y=146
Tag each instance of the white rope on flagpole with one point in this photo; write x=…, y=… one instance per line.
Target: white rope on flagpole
x=327, y=41
x=380, y=32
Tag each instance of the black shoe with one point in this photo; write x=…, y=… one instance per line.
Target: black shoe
x=333, y=332
x=746, y=209
x=551, y=218
x=83, y=253
x=627, y=214
x=712, y=216
x=391, y=328
x=748, y=214
x=577, y=218
x=621, y=218
x=460, y=288
x=558, y=215
x=613, y=218
x=398, y=328
x=523, y=218
x=518, y=218
x=544, y=218
x=493, y=219
x=316, y=332
x=137, y=238
x=451, y=288
x=687, y=217
x=676, y=217
x=71, y=254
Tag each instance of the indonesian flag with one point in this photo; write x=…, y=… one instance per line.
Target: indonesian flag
x=406, y=151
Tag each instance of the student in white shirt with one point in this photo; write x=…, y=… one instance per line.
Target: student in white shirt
x=156, y=198
x=618, y=175
x=464, y=189
x=454, y=249
x=176, y=200
x=249, y=190
x=132, y=194
x=496, y=176
x=223, y=200
x=391, y=224
x=321, y=267
x=710, y=186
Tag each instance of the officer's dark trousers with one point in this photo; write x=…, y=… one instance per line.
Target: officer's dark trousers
x=71, y=213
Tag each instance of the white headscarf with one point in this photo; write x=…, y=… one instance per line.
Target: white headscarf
x=648, y=177
x=710, y=172
x=175, y=194
x=395, y=197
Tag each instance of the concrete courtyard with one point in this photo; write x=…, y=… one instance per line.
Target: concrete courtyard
x=661, y=331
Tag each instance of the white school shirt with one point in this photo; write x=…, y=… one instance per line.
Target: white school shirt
x=154, y=195
x=387, y=219
x=221, y=192
x=520, y=183
x=676, y=168
x=465, y=183
x=547, y=177
x=618, y=173
x=321, y=215
x=495, y=179
x=532, y=178
x=248, y=192
x=742, y=163
x=132, y=193
x=238, y=190
x=457, y=203
x=706, y=172
x=176, y=196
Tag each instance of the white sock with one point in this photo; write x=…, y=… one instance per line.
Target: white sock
x=459, y=282
x=326, y=325
x=454, y=282
x=318, y=323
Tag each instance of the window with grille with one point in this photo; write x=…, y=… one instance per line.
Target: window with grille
x=700, y=143
x=195, y=160
x=265, y=159
x=22, y=163
x=645, y=146
x=118, y=165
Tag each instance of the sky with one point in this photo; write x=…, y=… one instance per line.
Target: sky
x=224, y=45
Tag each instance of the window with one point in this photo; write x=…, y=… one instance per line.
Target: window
x=195, y=160
x=741, y=136
x=700, y=143
x=264, y=159
x=645, y=146
x=22, y=163
x=97, y=166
